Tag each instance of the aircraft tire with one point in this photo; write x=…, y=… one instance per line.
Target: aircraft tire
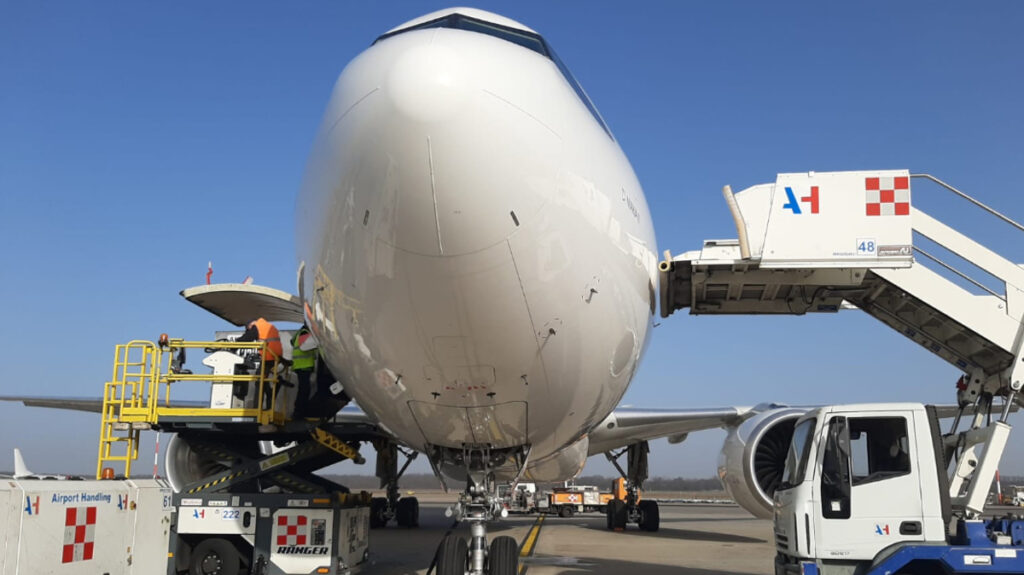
x=408, y=512
x=452, y=556
x=378, y=505
x=650, y=516
x=503, y=557
x=617, y=514
x=214, y=556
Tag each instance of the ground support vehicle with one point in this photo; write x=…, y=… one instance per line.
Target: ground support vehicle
x=519, y=498
x=118, y=527
x=269, y=533
x=571, y=499
x=824, y=242
x=866, y=491
x=247, y=495
x=1018, y=495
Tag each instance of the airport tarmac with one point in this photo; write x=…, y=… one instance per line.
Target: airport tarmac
x=694, y=539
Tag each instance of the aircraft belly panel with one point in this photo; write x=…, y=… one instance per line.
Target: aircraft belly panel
x=501, y=425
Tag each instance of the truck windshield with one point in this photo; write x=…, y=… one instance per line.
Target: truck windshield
x=799, y=451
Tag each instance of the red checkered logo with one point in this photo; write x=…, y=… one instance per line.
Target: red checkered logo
x=292, y=529
x=888, y=196
x=79, y=534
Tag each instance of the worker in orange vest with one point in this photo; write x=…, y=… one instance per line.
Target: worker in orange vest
x=262, y=330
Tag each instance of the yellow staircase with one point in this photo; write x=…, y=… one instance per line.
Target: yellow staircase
x=125, y=403
x=139, y=395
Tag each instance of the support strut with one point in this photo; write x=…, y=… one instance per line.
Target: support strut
x=406, y=511
x=632, y=509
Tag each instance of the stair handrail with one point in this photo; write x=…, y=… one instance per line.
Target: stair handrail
x=965, y=196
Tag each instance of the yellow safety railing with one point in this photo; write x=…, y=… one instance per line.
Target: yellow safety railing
x=139, y=395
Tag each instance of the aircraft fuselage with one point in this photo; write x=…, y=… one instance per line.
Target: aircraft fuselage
x=477, y=256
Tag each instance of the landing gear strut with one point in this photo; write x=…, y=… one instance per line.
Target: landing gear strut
x=632, y=509
x=478, y=505
x=404, y=510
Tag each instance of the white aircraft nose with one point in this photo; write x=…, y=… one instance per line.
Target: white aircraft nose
x=471, y=167
x=428, y=83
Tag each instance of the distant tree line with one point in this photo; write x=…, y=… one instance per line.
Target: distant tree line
x=659, y=483
x=415, y=481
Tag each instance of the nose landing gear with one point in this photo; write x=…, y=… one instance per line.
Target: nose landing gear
x=478, y=505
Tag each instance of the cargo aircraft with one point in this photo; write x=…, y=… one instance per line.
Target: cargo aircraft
x=477, y=260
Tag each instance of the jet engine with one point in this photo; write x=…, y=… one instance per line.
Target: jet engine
x=187, y=461
x=754, y=456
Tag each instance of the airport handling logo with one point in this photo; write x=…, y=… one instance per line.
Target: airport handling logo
x=32, y=507
x=887, y=196
x=79, y=534
x=293, y=536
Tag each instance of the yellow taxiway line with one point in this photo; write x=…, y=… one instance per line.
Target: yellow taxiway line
x=528, y=545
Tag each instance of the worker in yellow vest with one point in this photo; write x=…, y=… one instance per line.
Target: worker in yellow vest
x=304, y=355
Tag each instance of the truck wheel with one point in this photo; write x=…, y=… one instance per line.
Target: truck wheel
x=503, y=557
x=650, y=517
x=452, y=556
x=214, y=556
x=378, y=505
x=617, y=514
x=565, y=511
x=408, y=512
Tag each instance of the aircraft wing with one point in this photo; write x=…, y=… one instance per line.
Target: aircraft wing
x=347, y=414
x=625, y=426
x=89, y=404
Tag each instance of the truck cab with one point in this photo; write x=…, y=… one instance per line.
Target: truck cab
x=860, y=480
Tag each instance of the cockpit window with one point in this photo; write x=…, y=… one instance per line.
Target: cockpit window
x=522, y=38
x=528, y=40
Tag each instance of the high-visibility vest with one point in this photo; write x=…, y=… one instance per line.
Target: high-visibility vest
x=302, y=359
x=269, y=334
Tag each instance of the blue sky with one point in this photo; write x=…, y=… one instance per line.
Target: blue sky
x=139, y=141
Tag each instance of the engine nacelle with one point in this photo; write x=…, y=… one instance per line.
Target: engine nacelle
x=754, y=456
x=568, y=462
x=184, y=464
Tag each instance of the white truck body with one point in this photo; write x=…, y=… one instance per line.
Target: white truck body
x=803, y=528
x=84, y=527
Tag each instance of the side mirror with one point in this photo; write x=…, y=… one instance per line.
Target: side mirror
x=835, y=471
